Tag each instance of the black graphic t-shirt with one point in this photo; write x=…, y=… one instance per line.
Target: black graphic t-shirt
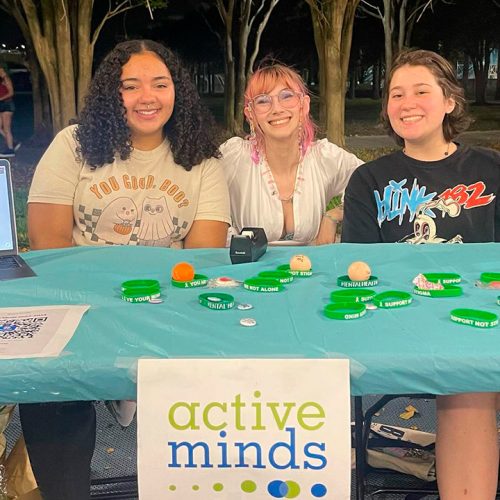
x=399, y=199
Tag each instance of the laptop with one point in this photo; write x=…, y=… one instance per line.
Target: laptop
x=11, y=265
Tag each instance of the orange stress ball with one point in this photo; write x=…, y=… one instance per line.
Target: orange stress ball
x=183, y=271
x=300, y=263
x=359, y=271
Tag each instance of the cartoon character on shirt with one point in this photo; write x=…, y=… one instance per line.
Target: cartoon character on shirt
x=424, y=226
x=156, y=223
x=117, y=221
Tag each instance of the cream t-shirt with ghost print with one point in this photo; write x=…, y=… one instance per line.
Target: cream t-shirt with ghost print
x=147, y=199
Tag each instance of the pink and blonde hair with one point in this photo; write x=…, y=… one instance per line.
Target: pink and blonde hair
x=262, y=82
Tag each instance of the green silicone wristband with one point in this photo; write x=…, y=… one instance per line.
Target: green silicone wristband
x=345, y=310
x=474, y=317
x=498, y=300
x=444, y=278
x=283, y=277
x=296, y=274
x=346, y=282
x=197, y=281
x=141, y=287
x=447, y=291
x=268, y=285
x=137, y=298
x=392, y=299
x=216, y=301
x=352, y=295
x=489, y=277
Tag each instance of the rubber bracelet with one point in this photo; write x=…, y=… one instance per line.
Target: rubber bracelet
x=352, y=295
x=489, y=277
x=198, y=280
x=137, y=298
x=283, y=277
x=498, y=300
x=392, y=299
x=345, y=310
x=346, y=282
x=142, y=287
x=333, y=219
x=262, y=285
x=296, y=274
x=447, y=291
x=216, y=301
x=444, y=278
x=474, y=317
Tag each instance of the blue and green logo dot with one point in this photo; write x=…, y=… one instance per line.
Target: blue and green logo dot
x=276, y=488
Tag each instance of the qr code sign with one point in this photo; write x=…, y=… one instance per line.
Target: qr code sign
x=21, y=328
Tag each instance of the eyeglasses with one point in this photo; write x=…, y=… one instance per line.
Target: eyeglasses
x=287, y=98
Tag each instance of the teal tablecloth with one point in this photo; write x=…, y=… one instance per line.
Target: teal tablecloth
x=416, y=349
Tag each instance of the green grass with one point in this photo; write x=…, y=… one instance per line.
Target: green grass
x=20, y=199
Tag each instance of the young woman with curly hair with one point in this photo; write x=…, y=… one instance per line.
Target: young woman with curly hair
x=139, y=168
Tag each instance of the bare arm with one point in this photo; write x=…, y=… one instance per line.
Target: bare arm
x=206, y=234
x=50, y=225
x=328, y=228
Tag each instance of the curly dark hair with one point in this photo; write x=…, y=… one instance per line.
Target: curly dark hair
x=454, y=123
x=103, y=133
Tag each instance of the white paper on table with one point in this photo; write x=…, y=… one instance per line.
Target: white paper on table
x=37, y=332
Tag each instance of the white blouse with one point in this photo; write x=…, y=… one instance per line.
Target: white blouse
x=322, y=174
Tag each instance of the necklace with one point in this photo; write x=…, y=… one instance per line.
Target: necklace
x=446, y=153
x=267, y=172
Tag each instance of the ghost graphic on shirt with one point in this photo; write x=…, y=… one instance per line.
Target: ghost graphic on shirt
x=156, y=223
x=117, y=221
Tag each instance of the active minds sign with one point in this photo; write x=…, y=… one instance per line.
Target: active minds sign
x=251, y=429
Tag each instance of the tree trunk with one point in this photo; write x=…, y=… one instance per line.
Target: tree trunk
x=85, y=52
x=497, y=91
x=66, y=71
x=465, y=73
x=376, y=79
x=333, y=30
x=480, y=79
x=352, y=84
x=388, y=22
x=320, y=49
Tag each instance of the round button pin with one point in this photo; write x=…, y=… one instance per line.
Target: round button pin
x=244, y=307
x=247, y=322
x=155, y=301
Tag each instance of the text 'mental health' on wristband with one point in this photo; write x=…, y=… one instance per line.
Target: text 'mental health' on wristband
x=216, y=301
x=346, y=282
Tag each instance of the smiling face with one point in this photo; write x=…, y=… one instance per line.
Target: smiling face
x=148, y=94
x=281, y=121
x=416, y=105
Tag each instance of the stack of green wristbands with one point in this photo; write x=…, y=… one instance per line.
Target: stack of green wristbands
x=137, y=291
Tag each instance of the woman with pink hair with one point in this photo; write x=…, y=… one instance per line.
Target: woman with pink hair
x=280, y=178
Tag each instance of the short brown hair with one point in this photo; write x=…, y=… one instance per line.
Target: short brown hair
x=455, y=122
